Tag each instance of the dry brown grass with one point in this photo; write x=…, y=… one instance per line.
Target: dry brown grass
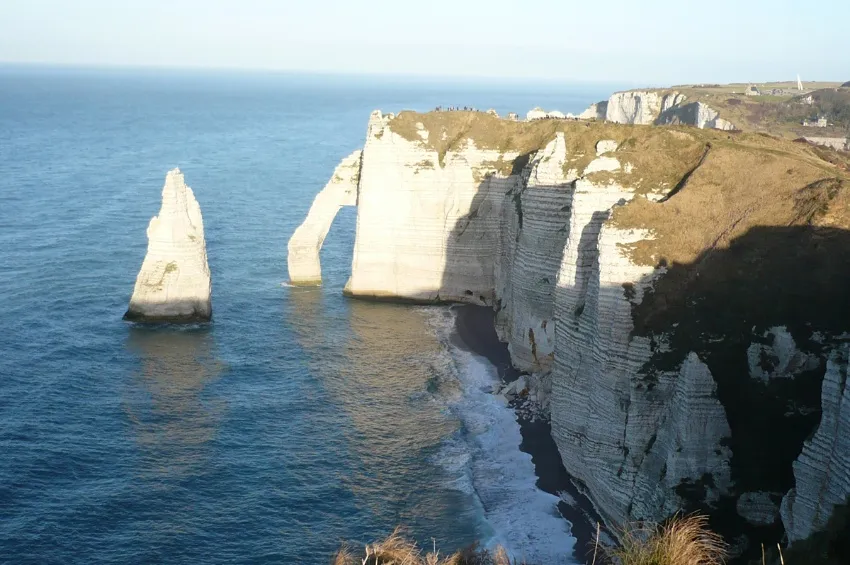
x=661, y=154
x=398, y=550
x=747, y=181
x=681, y=541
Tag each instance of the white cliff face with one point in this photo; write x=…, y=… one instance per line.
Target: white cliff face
x=694, y=114
x=537, y=246
x=822, y=472
x=651, y=107
x=306, y=243
x=643, y=438
x=537, y=216
x=173, y=284
x=633, y=107
x=595, y=111
x=426, y=230
x=630, y=441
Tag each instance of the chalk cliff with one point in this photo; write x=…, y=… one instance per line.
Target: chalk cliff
x=306, y=242
x=647, y=107
x=173, y=284
x=822, y=472
x=405, y=253
x=654, y=276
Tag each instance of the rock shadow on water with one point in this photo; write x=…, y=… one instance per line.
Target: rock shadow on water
x=165, y=403
x=373, y=360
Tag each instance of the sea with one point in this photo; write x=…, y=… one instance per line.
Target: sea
x=298, y=420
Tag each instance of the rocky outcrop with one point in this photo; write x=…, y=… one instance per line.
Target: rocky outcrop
x=648, y=285
x=173, y=284
x=694, y=114
x=427, y=223
x=837, y=143
x=645, y=107
x=596, y=111
x=635, y=107
x=822, y=472
x=306, y=243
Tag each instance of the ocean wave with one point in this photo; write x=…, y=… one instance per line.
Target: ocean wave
x=485, y=459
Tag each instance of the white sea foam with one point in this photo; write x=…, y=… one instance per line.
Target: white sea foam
x=486, y=459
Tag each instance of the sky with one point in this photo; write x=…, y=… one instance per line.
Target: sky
x=647, y=42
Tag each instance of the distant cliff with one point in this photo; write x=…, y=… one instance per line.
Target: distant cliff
x=684, y=290
x=659, y=107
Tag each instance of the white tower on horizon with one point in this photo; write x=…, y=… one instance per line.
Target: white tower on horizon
x=799, y=83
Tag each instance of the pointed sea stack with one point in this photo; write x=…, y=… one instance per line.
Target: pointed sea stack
x=174, y=285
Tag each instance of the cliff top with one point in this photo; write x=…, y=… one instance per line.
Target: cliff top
x=719, y=184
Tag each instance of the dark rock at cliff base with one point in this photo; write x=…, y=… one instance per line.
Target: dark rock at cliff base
x=197, y=316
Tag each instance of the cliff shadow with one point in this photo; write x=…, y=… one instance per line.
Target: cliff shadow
x=517, y=233
x=735, y=308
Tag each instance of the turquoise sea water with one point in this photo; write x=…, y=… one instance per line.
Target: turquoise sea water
x=298, y=418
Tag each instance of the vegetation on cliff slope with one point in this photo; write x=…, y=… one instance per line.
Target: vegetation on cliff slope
x=660, y=156
x=780, y=115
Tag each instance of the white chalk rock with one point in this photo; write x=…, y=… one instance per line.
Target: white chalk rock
x=595, y=111
x=652, y=107
x=606, y=146
x=306, y=242
x=427, y=224
x=633, y=107
x=174, y=282
x=822, y=471
x=758, y=508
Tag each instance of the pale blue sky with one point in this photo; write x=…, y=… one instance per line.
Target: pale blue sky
x=645, y=42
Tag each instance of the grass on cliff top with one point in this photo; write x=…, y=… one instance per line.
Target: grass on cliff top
x=745, y=181
x=724, y=183
x=661, y=156
x=680, y=541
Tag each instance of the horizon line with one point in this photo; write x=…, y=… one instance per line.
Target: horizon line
x=283, y=71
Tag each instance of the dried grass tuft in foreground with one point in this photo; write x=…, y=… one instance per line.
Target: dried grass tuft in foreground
x=397, y=550
x=681, y=541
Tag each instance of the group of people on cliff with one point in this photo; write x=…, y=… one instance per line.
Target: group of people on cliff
x=456, y=109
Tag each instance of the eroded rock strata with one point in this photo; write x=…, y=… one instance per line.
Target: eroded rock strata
x=173, y=284
x=683, y=292
x=645, y=107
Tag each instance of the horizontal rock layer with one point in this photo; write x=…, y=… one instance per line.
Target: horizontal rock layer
x=173, y=284
x=606, y=251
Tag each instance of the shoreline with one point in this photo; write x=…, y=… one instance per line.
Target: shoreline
x=475, y=332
